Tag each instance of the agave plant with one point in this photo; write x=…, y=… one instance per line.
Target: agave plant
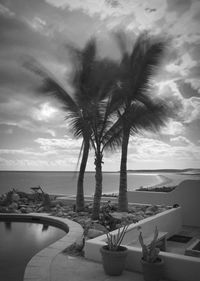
x=150, y=252
x=114, y=240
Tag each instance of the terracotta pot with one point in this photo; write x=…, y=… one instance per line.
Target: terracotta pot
x=153, y=271
x=114, y=261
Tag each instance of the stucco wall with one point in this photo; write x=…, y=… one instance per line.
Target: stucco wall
x=187, y=195
x=167, y=221
x=177, y=267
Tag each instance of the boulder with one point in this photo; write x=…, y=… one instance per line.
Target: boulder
x=55, y=203
x=15, y=197
x=100, y=227
x=92, y=233
x=13, y=206
x=59, y=214
x=71, y=213
x=149, y=213
x=23, y=210
x=40, y=210
x=153, y=208
x=119, y=215
x=29, y=210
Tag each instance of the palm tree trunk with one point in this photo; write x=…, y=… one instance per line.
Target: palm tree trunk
x=80, y=189
x=98, y=188
x=123, y=200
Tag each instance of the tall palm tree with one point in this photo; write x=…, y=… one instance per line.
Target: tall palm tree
x=105, y=136
x=87, y=110
x=139, y=109
x=75, y=105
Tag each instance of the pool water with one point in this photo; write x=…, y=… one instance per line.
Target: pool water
x=19, y=242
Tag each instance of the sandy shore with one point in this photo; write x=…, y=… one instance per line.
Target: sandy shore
x=173, y=179
x=163, y=181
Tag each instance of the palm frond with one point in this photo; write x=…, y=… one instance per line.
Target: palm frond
x=151, y=117
x=50, y=84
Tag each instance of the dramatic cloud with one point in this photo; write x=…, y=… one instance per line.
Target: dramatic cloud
x=34, y=132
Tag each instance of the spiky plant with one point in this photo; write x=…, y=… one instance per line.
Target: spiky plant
x=150, y=252
x=114, y=240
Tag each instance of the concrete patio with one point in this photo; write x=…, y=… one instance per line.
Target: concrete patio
x=71, y=268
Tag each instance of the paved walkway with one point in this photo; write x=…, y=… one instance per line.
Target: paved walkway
x=70, y=268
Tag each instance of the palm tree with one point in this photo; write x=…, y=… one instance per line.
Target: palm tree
x=139, y=110
x=89, y=108
x=82, y=79
x=105, y=136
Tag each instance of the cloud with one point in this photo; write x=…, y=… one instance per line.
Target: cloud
x=33, y=115
x=173, y=128
x=182, y=65
x=180, y=141
x=184, y=110
x=45, y=112
x=195, y=84
x=179, y=148
x=42, y=28
x=6, y=11
x=68, y=143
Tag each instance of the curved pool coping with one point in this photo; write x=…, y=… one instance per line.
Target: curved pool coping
x=38, y=268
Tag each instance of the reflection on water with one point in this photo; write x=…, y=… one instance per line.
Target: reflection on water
x=19, y=241
x=8, y=225
x=45, y=227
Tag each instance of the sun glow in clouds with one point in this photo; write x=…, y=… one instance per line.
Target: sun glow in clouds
x=45, y=112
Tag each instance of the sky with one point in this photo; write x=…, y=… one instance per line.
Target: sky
x=33, y=132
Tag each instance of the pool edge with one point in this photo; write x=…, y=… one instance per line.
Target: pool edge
x=39, y=267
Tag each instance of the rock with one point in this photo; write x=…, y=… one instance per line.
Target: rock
x=71, y=213
x=40, y=210
x=140, y=213
x=92, y=233
x=153, y=208
x=100, y=227
x=82, y=213
x=119, y=215
x=59, y=214
x=23, y=210
x=29, y=210
x=139, y=217
x=149, y=213
x=13, y=206
x=55, y=203
x=3, y=209
x=132, y=218
x=15, y=197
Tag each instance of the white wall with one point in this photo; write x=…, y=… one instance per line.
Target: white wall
x=186, y=194
x=177, y=267
x=167, y=221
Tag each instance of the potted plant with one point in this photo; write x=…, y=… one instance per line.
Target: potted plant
x=113, y=254
x=152, y=263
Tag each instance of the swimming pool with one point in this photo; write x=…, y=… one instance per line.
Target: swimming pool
x=20, y=241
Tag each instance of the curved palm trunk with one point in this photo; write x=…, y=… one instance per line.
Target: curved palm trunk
x=123, y=200
x=80, y=189
x=98, y=188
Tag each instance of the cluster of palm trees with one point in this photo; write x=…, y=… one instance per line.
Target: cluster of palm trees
x=111, y=101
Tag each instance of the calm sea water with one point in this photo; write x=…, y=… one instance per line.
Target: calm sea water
x=65, y=182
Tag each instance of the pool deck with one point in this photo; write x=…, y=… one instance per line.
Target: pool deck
x=39, y=267
x=70, y=268
x=52, y=264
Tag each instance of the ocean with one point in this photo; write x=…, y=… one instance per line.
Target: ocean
x=65, y=182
